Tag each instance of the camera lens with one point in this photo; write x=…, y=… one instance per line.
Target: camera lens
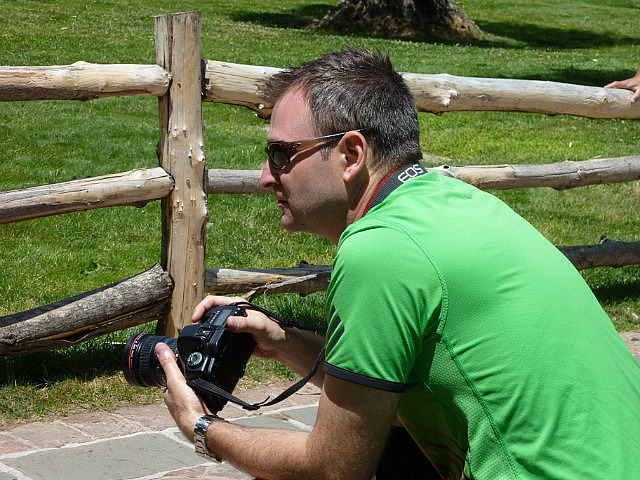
x=140, y=363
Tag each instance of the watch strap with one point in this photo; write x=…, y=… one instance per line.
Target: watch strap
x=200, y=437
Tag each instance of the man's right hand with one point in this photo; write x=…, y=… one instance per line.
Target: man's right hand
x=297, y=349
x=269, y=336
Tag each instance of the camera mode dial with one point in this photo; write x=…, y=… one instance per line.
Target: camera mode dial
x=195, y=359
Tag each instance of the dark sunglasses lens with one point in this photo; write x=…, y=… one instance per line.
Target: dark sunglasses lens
x=277, y=155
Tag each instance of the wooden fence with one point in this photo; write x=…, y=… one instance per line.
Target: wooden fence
x=181, y=80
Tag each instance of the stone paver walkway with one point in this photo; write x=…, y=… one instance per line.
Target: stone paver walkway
x=140, y=443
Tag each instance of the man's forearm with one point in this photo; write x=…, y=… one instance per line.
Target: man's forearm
x=300, y=353
x=345, y=444
x=267, y=454
x=348, y=437
x=264, y=453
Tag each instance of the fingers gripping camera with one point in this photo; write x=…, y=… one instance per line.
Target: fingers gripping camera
x=207, y=352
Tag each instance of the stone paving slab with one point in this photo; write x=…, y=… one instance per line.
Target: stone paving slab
x=221, y=471
x=137, y=443
x=307, y=394
x=632, y=339
x=112, y=459
x=166, y=454
x=305, y=415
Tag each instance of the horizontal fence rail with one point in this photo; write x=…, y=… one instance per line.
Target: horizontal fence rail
x=561, y=176
x=303, y=279
x=136, y=187
x=133, y=301
x=140, y=186
x=608, y=253
x=239, y=85
x=81, y=81
x=307, y=279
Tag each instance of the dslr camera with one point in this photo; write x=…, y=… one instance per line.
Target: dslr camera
x=211, y=356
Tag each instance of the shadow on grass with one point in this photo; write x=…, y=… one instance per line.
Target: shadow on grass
x=45, y=368
x=616, y=293
x=500, y=34
x=86, y=361
x=533, y=35
x=579, y=76
x=295, y=18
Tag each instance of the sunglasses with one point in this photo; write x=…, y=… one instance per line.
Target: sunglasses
x=281, y=153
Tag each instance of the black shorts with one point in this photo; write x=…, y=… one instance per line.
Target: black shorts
x=403, y=460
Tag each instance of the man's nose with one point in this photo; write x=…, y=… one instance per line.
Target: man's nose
x=268, y=178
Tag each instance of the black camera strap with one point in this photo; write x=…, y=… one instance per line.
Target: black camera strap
x=392, y=181
x=219, y=392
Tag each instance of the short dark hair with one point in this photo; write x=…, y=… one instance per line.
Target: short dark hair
x=354, y=89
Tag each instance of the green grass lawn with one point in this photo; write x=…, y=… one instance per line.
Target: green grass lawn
x=46, y=260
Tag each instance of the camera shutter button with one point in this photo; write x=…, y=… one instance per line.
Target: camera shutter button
x=194, y=359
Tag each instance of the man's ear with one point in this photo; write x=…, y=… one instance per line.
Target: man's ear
x=354, y=148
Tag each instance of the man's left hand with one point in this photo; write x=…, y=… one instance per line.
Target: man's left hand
x=184, y=404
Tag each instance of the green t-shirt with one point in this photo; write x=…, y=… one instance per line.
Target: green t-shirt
x=508, y=365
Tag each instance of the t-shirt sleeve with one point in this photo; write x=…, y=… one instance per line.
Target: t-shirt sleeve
x=385, y=296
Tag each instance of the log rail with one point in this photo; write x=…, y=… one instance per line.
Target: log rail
x=137, y=187
x=140, y=186
x=561, y=176
x=144, y=297
x=81, y=81
x=128, y=303
x=239, y=85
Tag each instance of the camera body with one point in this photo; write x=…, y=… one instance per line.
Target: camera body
x=208, y=350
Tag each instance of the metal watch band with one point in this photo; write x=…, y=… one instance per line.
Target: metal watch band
x=200, y=437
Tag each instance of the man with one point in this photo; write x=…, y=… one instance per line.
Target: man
x=446, y=310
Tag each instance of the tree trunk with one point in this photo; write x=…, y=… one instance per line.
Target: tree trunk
x=403, y=18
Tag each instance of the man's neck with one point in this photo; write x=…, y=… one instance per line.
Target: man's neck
x=364, y=196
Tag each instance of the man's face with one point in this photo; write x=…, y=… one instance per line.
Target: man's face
x=310, y=191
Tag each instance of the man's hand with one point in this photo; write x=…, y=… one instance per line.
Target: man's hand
x=297, y=349
x=632, y=84
x=184, y=404
x=269, y=336
x=349, y=435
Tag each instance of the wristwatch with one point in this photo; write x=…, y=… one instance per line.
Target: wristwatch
x=200, y=437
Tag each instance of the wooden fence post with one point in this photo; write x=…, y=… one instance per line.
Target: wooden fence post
x=181, y=153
